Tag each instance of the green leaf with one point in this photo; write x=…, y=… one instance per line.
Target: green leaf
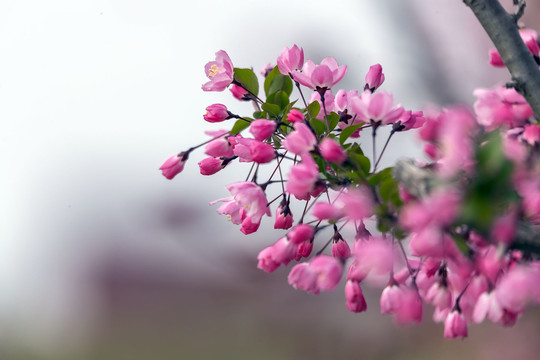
x=280, y=98
x=248, y=79
x=275, y=81
x=313, y=109
x=239, y=125
x=318, y=126
x=348, y=131
x=360, y=162
x=379, y=177
x=272, y=109
x=333, y=120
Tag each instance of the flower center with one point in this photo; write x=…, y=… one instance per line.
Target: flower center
x=213, y=70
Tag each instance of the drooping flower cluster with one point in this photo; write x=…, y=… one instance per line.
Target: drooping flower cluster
x=455, y=244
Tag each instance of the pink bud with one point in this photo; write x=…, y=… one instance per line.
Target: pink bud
x=301, y=233
x=295, y=116
x=390, y=299
x=355, y=297
x=301, y=140
x=290, y=60
x=341, y=250
x=216, y=113
x=455, y=325
x=253, y=150
x=262, y=129
x=266, y=260
x=173, y=165
x=284, y=218
x=304, y=249
x=284, y=251
x=210, y=166
x=332, y=151
x=239, y=93
x=374, y=77
x=304, y=277
x=249, y=226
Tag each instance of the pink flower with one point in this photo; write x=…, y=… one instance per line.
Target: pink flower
x=409, y=120
x=390, y=299
x=301, y=233
x=251, y=198
x=302, y=178
x=501, y=106
x=529, y=37
x=455, y=325
x=517, y=287
x=329, y=100
x=220, y=146
x=304, y=277
x=374, y=78
x=266, y=260
x=219, y=71
x=531, y=134
x=332, y=151
x=378, y=107
x=439, y=295
x=355, y=297
x=322, y=76
x=326, y=211
x=290, y=60
x=329, y=271
x=301, y=140
x=295, y=116
x=356, y=203
x=253, y=150
x=210, y=165
x=239, y=93
x=262, y=129
x=173, y=165
x=267, y=69
x=340, y=249
x=284, y=218
x=216, y=113
x=488, y=306
x=304, y=249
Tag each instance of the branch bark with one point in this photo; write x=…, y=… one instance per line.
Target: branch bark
x=502, y=28
x=419, y=182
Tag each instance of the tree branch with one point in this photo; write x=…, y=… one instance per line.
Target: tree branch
x=503, y=31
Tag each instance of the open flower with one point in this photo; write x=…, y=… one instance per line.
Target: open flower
x=325, y=75
x=219, y=71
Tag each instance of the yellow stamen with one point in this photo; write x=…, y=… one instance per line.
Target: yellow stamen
x=213, y=70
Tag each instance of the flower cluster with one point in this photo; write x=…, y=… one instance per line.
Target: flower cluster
x=452, y=238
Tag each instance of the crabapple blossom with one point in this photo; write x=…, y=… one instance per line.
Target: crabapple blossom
x=239, y=93
x=219, y=71
x=301, y=140
x=455, y=325
x=332, y=151
x=295, y=116
x=325, y=75
x=262, y=129
x=290, y=60
x=374, y=78
x=216, y=113
x=210, y=165
x=173, y=165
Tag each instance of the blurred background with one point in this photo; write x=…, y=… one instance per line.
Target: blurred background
x=101, y=257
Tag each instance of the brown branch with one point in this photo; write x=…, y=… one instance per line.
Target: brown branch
x=501, y=27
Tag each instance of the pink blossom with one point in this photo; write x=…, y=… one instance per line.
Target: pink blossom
x=295, y=116
x=410, y=120
x=322, y=76
x=284, y=218
x=340, y=249
x=374, y=256
x=210, y=165
x=409, y=310
x=290, y=60
x=355, y=297
x=301, y=140
x=326, y=211
x=266, y=260
x=219, y=71
x=378, y=107
x=529, y=37
x=302, y=178
x=173, y=165
x=216, y=113
x=249, y=226
x=439, y=295
x=390, y=299
x=239, y=93
x=332, y=151
x=518, y=286
x=329, y=271
x=531, y=134
x=220, y=146
x=304, y=249
x=267, y=69
x=495, y=58
x=501, y=106
x=455, y=325
x=251, y=198
x=488, y=306
x=301, y=233
x=356, y=203
x=253, y=150
x=374, y=78
x=304, y=277
x=262, y=129
x=284, y=251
